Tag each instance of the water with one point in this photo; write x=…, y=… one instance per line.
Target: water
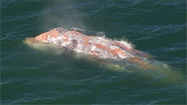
x=29, y=76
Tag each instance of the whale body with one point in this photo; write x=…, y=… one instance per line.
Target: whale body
x=95, y=46
x=111, y=51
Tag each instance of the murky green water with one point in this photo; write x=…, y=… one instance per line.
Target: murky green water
x=29, y=76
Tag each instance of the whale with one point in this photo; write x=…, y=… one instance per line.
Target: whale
x=98, y=47
x=116, y=55
x=92, y=46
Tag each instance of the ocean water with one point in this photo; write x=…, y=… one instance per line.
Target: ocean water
x=29, y=76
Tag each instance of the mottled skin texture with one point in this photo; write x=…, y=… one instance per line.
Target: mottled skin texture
x=93, y=46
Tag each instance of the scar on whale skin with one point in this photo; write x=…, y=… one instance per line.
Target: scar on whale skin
x=96, y=46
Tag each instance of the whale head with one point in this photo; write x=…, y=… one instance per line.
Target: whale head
x=40, y=42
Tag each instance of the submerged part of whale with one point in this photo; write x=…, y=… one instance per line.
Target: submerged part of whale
x=96, y=46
